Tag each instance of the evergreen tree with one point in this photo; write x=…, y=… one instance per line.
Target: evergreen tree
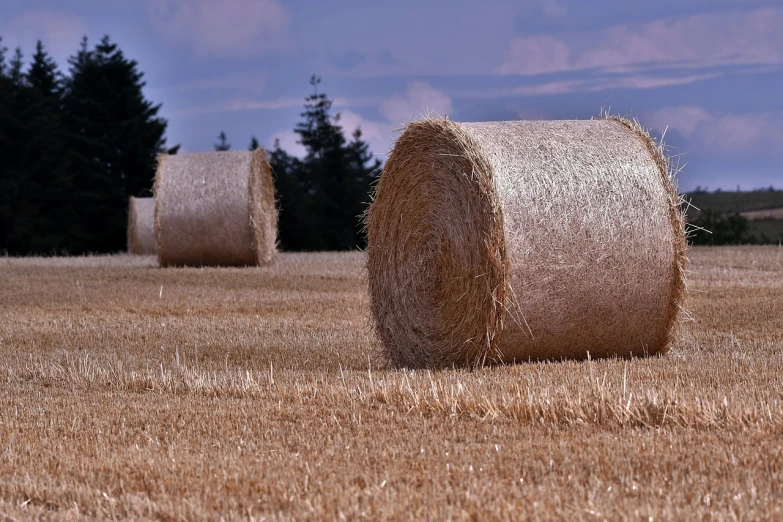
x=43, y=207
x=52, y=166
x=222, y=144
x=43, y=75
x=253, y=143
x=297, y=223
x=16, y=75
x=14, y=181
x=114, y=137
x=33, y=179
x=323, y=196
x=6, y=119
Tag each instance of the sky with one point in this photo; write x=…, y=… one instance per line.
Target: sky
x=707, y=73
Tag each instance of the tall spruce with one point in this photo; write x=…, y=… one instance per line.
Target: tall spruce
x=114, y=137
x=15, y=181
x=297, y=222
x=33, y=178
x=323, y=195
x=48, y=168
x=6, y=121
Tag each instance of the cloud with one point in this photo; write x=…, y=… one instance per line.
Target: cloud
x=701, y=41
x=419, y=98
x=592, y=84
x=723, y=134
x=60, y=32
x=741, y=134
x=229, y=28
x=240, y=81
x=536, y=55
x=684, y=119
x=244, y=105
x=238, y=106
x=351, y=59
x=551, y=8
x=379, y=135
x=650, y=82
x=289, y=142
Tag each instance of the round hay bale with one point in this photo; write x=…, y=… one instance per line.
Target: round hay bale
x=215, y=209
x=141, y=226
x=513, y=241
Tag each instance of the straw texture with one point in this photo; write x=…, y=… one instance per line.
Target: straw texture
x=141, y=226
x=215, y=208
x=527, y=240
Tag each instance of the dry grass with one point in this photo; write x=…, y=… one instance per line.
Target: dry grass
x=134, y=392
x=760, y=215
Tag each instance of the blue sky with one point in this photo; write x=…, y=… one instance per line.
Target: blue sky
x=711, y=71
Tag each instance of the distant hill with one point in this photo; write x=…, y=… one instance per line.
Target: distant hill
x=762, y=208
x=720, y=201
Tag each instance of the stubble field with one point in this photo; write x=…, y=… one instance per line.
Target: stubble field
x=130, y=391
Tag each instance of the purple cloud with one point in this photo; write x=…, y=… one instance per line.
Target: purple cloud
x=419, y=98
x=699, y=41
x=724, y=134
x=222, y=29
x=228, y=106
x=536, y=55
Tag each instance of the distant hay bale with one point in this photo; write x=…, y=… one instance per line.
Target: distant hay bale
x=215, y=209
x=527, y=240
x=141, y=226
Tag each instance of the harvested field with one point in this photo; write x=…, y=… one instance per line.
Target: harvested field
x=760, y=215
x=134, y=392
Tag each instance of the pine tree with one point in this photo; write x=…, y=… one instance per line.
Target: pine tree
x=297, y=223
x=53, y=168
x=47, y=213
x=43, y=75
x=33, y=213
x=115, y=135
x=222, y=144
x=16, y=74
x=6, y=119
x=253, y=143
x=323, y=196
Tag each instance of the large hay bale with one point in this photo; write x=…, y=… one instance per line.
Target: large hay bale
x=526, y=240
x=141, y=226
x=215, y=208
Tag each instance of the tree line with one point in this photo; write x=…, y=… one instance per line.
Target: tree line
x=75, y=146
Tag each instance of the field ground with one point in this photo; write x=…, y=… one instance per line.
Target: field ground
x=764, y=215
x=130, y=391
